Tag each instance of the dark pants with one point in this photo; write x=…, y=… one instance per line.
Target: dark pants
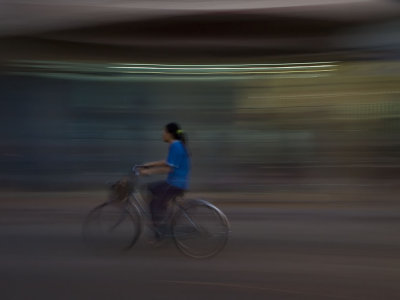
x=161, y=193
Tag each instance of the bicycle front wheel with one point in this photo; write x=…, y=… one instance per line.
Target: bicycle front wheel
x=200, y=230
x=111, y=226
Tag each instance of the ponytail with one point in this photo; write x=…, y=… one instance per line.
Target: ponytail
x=181, y=136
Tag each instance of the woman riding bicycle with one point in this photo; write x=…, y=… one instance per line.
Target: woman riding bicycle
x=198, y=228
x=177, y=166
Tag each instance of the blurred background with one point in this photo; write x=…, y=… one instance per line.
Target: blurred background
x=272, y=94
x=283, y=102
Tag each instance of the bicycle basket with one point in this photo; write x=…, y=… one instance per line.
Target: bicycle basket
x=121, y=189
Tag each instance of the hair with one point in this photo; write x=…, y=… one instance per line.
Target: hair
x=175, y=130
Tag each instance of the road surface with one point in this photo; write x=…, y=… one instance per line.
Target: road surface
x=274, y=253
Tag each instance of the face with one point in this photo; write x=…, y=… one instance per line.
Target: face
x=167, y=137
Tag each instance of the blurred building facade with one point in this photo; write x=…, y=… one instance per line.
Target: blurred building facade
x=268, y=102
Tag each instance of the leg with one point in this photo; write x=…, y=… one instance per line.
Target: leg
x=158, y=203
x=161, y=192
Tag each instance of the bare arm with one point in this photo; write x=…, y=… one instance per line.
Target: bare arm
x=155, y=167
x=159, y=163
x=156, y=170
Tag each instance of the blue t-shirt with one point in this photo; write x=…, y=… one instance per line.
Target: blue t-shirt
x=179, y=160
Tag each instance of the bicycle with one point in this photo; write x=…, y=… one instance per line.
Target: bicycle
x=198, y=228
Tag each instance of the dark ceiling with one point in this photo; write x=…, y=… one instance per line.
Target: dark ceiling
x=220, y=35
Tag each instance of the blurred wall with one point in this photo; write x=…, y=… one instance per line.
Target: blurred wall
x=245, y=134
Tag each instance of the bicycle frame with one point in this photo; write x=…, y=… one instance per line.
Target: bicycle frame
x=136, y=200
x=138, y=203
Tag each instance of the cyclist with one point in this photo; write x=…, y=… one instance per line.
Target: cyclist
x=177, y=166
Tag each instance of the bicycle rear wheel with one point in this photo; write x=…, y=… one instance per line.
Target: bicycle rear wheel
x=200, y=230
x=111, y=226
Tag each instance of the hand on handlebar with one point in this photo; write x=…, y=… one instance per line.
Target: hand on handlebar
x=140, y=170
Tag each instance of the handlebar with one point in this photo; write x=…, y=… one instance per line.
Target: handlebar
x=135, y=169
